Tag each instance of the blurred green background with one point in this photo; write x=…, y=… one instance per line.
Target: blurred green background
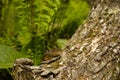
x=29, y=28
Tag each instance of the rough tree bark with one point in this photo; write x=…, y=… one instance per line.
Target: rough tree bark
x=93, y=52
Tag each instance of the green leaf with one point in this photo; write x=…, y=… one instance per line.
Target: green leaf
x=61, y=43
x=8, y=56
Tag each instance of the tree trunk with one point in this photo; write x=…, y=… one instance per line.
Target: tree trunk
x=93, y=52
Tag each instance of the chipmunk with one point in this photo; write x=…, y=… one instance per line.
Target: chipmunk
x=51, y=53
x=51, y=56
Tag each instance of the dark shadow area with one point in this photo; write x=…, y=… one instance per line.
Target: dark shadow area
x=4, y=75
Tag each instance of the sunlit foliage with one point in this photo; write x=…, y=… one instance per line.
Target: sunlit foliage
x=34, y=26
